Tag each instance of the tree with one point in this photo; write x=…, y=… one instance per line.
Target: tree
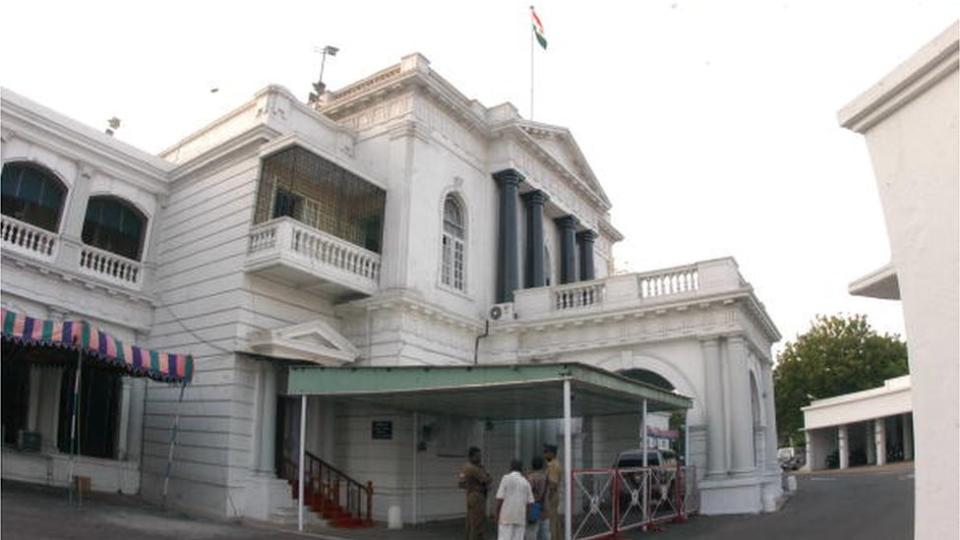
x=836, y=356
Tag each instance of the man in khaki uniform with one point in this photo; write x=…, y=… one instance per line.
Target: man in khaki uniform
x=475, y=480
x=552, y=501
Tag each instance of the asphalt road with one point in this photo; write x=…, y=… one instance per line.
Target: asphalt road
x=860, y=504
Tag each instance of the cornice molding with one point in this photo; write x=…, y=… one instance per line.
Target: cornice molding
x=403, y=300
x=297, y=139
x=251, y=140
x=924, y=69
x=38, y=125
x=76, y=279
x=129, y=170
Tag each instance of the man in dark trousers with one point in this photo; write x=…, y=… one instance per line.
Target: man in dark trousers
x=475, y=480
x=552, y=500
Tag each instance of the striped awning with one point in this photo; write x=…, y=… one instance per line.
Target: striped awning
x=95, y=343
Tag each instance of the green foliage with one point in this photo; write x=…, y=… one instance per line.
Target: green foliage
x=836, y=356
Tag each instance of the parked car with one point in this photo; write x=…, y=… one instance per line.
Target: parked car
x=655, y=458
x=791, y=459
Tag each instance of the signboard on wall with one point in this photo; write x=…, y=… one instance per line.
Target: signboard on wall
x=381, y=430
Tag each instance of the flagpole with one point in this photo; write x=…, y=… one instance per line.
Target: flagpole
x=531, y=65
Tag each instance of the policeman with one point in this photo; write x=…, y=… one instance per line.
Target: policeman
x=476, y=481
x=552, y=499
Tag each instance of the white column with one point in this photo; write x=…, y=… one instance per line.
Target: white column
x=844, y=448
x=567, y=462
x=138, y=392
x=870, y=442
x=300, y=475
x=74, y=214
x=880, y=440
x=908, y=436
x=770, y=413
x=716, y=439
x=124, y=423
x=809, y=449
x=268, y=421
x=741, y=414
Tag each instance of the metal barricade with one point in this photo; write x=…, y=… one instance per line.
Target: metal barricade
x=593, y=503
x=632, y=490
x=690, y=496
x=662, y=502
x=609, y=501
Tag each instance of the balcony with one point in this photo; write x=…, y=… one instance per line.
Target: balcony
x=56, y=252
x=624, y=292
x=286, y=250
x=28, y=240
x=110, y=267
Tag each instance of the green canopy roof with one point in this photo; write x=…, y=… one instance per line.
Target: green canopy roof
x=495, y=392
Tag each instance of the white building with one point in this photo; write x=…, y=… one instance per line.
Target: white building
x=397, y=223
x=909, y=120
x=871, y=427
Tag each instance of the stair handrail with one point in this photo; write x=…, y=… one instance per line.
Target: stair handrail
x=324, y=481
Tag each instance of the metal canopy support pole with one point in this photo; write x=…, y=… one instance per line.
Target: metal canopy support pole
x=567, y=462
x=173, y=444
x=75, y=429
x=300, y=475
x=686, y=438
x=416, y=466
x=643, y=427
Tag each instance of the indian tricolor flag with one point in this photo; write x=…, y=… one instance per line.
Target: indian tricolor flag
x=538, y=29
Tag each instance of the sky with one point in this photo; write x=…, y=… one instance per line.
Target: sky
x=711, y=125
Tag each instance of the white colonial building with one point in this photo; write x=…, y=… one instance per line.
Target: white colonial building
x=396, y=222
x=871, y=427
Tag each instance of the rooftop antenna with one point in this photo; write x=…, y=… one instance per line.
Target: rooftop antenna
x=319, y=87
x=113, y=124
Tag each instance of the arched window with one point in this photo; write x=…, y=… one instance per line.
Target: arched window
x=32, y=195
x=452, y=269
x=114, y=225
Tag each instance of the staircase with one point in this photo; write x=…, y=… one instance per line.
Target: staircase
x=340, y=500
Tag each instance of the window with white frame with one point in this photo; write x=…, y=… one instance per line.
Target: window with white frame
x=453, y=248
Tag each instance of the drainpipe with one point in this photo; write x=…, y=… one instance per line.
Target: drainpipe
x=476, y=344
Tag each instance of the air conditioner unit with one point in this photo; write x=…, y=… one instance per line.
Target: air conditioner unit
x=502, y=311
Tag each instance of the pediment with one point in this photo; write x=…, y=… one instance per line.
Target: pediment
x=314, y=341
x=560, y=144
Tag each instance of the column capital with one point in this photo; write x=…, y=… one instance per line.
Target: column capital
x=567, y=222
x=587, y=236
x=508, y=177
x=535, y=197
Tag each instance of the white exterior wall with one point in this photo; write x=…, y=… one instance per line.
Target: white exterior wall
x=88, y=163
x=909, y=121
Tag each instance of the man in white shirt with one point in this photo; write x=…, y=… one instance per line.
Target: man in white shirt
x=513, y=497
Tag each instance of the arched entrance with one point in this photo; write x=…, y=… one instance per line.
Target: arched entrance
x=665, y=431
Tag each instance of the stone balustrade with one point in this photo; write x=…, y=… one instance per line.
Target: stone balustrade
x=669, y=282
x=27, y=239
x=635, y=290
x=571, y=296
x=111, y=267
x=69, y=256
x=312, y=255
